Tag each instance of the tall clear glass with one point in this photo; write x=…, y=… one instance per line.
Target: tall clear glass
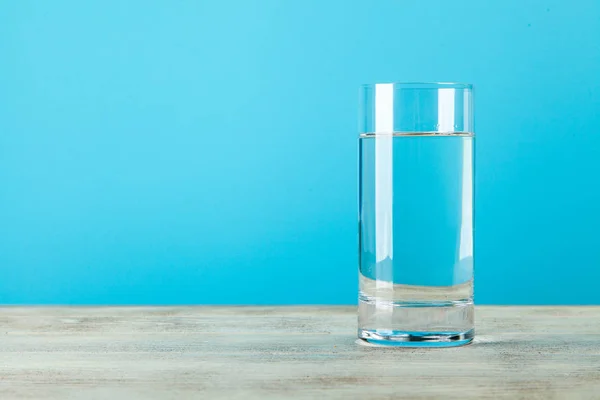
x=416, y=214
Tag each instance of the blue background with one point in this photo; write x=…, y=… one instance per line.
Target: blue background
x=205, y=151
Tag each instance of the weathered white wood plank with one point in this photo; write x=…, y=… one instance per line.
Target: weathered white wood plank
x=288, y=352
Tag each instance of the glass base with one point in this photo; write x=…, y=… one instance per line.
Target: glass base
x=416, y=339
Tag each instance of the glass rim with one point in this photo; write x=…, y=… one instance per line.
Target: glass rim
x=422, y=85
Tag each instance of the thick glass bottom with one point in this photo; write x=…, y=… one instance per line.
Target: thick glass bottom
x=416, y=339
x=417, y=316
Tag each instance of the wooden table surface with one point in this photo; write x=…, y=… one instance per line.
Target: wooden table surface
x=288, y=353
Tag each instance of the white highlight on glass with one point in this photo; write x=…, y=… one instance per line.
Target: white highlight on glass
x=464, y=269
x=384, y=127
x=446, y=110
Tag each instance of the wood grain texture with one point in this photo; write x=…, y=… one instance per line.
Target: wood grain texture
x=288, y=353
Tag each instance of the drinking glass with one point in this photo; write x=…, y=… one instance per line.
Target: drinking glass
x=416, y=150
